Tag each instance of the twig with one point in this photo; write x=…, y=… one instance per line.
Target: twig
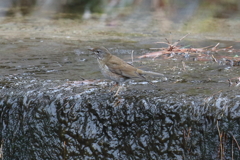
x=174, y=44
x=1, y=150
x=214, y=58
x=232, y=149
x=207, y=47
x=132, y=56
x=229, y=82
x=184, y=66
x=167, y=41
x=215, y=47
x=155, y=48
x=171, y=39
x=236, y=141
x=64, y=149
x=164, y=42
x=220, y=139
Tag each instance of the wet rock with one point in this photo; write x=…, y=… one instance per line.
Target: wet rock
x=43, y=119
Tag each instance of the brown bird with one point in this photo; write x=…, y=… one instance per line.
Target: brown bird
x=114, y=68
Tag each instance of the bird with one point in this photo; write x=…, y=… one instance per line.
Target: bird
x=116, y=69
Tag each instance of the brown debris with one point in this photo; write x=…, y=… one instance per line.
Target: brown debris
x=199, y=53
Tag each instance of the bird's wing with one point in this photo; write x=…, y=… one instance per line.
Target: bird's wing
x=120, y=67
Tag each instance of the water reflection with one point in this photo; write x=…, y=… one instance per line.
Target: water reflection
x=188, y=15
x=46, y=7
x=221, y=8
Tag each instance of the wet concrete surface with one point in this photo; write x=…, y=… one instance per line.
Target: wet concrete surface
x=55, y=104
x=53, y=119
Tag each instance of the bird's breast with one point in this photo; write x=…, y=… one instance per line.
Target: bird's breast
x=110, y=75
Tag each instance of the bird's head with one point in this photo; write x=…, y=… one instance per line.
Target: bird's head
x=101, y=52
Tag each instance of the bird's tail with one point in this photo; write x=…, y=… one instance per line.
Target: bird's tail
x=152, y=73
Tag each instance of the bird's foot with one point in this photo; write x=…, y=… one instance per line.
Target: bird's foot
x=119, y=88
x=114, y=87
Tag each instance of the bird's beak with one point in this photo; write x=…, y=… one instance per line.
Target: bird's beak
x=92, y=50
x=94, y=53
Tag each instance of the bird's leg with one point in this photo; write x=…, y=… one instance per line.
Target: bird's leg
x=114, y=86
x=120, y=86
